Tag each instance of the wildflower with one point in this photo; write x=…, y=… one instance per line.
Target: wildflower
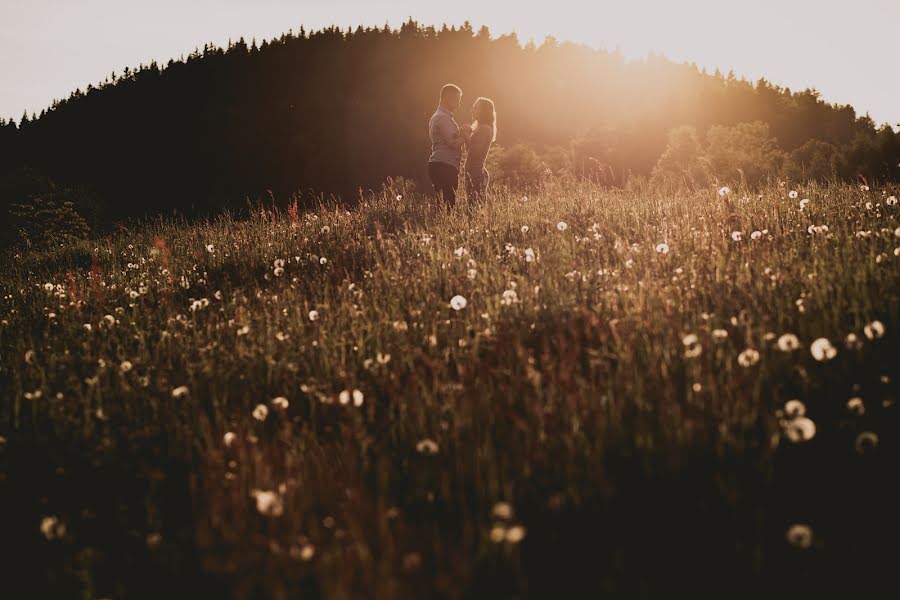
x=280, y=402
x=515, y=534
x=697, y=387
x=724, y=191
x=891, y=201
x=109, y=320
x=30, y=356
x=756, y=235
x=736, y=236
x=794, y=409
x=502, y=511
x=313, y=315
x=692, y=345
x=562, y=225
x=180, y=392
x=460, y=252
x=864, y=188
x=278, y=263
x=788, y=342
x=52, y=528
x=852, y=341
x=662, y=248
x=260, y=412
x=799, y=429
x=874, y=330
x=268, y=503
x=719, y=334
x=88, y=327
x=457, y=302
x=800, y=536
x=427, y=446
x=748, y=357
x=497, y=534
x=856, y=406
x=529, y=255
x=323, y=260
x=822, y=350
x=865, y=442
x=126, y=366
x=229, y=438
x=382, y=359
x=210, y=248
x=793, y=194
x=803, y=203
x=524, y=228
x=510, y=297
x=278, y=272
x=243, y=330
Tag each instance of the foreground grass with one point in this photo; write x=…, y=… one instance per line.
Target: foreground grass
x=299, y=406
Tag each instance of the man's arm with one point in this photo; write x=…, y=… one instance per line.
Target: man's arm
x=454, y=138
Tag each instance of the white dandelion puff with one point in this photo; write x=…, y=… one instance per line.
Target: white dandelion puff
x=822, y=350
x=793, y=194
x=427, y=446
x=268, y=503
x=748, y=357
x=855, y=405
x=736, y=236
x=562, y=225
x=794, y=409
x=229, y=438
x=788, y=342
x=799, y=536
x=724, y=191
x=457, y=302
x=180, y=392
x=280, y=402
x=260, y=412
x=313, y=315
x=799, y=429
x=662, y=248
x=874, y=330
x=866, y=442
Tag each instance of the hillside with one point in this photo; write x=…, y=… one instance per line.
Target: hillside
x=573, y=393
x=334, y=111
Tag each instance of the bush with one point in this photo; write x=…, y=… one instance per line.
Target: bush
x=45, y=222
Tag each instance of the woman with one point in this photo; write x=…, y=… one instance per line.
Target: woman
x=483, y=133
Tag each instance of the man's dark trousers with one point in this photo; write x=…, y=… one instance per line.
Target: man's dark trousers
x=444, y=178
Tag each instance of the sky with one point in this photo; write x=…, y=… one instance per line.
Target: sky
x=846, y=50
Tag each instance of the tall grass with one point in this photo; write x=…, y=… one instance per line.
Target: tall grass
x=591, y=422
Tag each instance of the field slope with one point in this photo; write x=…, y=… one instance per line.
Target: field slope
x=571, y=393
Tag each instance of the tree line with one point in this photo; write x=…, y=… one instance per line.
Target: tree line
x=338, y=111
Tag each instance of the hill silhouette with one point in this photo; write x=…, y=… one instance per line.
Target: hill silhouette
x=335, y=111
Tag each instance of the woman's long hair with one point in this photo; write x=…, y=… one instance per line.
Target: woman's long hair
x=485, y=114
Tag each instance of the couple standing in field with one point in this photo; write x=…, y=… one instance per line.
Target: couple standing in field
x=448, y=139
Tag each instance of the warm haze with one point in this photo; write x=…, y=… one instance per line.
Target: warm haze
x=51, y=47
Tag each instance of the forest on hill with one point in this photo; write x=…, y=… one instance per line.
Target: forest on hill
x=339, y=111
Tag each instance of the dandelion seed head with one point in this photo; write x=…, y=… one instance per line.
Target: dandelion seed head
x=724, y=191
x=280, y=402
x=748, y=357
x=502, y=511
x=457, y=302
x=855, y=405
x=427, y=447
x=260, y=412
x=822, y=350
x=794, y=409
x=788, y=342
x=865, y=442
x=799, y=429
x=874, y=330
x=313, y=315
x=800, y=536
x=180, y=392
x=229, y=438
x=736, y=236
x=793, y=194
x=515, y=534
x=562, y=225
x=662, y=248
x=268, y=503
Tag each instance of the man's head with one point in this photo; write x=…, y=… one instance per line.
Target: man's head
x=451, y=96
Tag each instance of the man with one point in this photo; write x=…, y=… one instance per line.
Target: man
x=447, y=140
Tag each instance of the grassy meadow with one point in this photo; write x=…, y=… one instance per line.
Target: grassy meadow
x=578, y=392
